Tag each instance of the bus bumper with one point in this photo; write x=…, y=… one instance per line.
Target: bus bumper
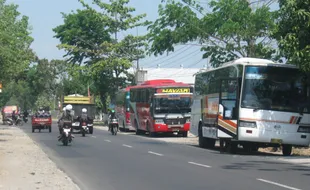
x=171, y=128
x=273, y=137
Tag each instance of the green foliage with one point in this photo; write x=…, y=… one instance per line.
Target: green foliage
x=82, y=34
x=97, y=50
x=293, y=32
x=44, y=100
x=15, y=40
x=233, y=29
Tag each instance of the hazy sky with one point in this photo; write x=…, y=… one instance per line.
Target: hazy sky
x=44, y=15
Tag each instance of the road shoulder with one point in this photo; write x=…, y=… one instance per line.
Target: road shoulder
x=23, y=165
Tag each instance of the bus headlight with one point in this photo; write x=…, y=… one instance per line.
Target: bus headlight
x=303, y=129
x=159, y=121
x=247, y=124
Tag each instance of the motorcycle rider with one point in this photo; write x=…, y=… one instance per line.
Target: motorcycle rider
x=112, y=116
x=60, y=123
x=65, y=116
x=25, y=116
x=14, y=118
x=84, y=117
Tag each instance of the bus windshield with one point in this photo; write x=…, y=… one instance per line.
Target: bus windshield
x=172, y=104
x=274, y=88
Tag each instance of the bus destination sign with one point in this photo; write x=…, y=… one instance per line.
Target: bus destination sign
x=173, y=90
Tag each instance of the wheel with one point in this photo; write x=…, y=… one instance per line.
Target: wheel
x=203, y=141
x=50, y=129
x=65, y=141
x=152, y=134
x=138, y=131
x=184, y=133
x=83, y=133
x=124, y=128
x=91, y=130
x=287, y=150
x=115, y=130
x=33, y=129
x=231, y=146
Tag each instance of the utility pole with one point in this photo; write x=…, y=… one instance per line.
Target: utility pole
x=138, y=66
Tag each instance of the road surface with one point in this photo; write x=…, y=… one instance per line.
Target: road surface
x=129, y=162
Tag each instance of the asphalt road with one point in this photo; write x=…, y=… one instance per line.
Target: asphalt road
x=129, y=162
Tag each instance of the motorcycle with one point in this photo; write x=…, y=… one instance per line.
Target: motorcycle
x=84, y=128
x=9, y=121
x=113, y=125
x=66, y=136
x=18, y=121
x=25, y=119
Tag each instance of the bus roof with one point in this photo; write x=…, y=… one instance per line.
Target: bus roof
x=161, y=83
x=251, y=61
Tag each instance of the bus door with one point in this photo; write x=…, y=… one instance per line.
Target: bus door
x=228, y=108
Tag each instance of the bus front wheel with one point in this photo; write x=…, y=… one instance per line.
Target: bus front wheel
x=203, y=141
x=287, y=150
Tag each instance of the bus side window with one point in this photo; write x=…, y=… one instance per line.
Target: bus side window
x=229, y=89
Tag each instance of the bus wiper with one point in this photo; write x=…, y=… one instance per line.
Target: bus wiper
x=256, y=109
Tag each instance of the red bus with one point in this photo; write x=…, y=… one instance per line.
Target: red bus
x=122, y=109
x=161, y=106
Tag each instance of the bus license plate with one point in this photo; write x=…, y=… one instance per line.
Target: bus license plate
x=175, y=129
x=277, y=141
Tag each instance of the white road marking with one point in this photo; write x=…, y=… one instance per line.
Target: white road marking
x=150, y=152
x=278, y=184
x=93, y=136
x=197, y=164
x=107, y=140
x=127, y=145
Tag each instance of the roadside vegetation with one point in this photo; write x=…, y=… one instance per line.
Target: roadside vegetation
x=97, y=57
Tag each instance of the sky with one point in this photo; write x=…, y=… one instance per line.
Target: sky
x=44, y=15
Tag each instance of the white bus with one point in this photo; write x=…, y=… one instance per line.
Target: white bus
x=251, y=103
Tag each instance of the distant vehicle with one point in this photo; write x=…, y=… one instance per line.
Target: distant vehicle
x=78, y=103
x=66, y=136
x=253, y=103
x=113, y=125
x=7, y=112
x=41, y=121
x=161, y=106
x=122, y=109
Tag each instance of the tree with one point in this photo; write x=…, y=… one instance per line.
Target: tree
x=234, y=28
x=82, y=34
x=106, y=58
x=293, y=32
x=15, y=41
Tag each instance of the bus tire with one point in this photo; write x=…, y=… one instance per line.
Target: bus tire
x=231, y=146
x=138, y=131
x=184, y=133
x=151, y=134
x=203, y=141
x=287, y=150
x=124, y=128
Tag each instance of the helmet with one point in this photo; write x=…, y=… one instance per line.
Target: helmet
x=84, y=110
x=69, y=107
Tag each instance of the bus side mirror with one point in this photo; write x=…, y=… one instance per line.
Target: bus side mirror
x=151, y=108
x=227, y=113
